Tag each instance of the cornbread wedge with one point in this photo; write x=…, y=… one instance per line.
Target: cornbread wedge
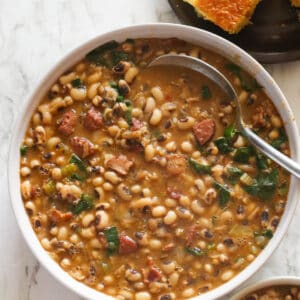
x=230, y=15
x=295, y=3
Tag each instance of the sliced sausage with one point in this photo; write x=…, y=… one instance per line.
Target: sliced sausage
x=154, y=274
x=204, y=130
x=121, y=164
x=191, y=235
x=66, y=125
x=56, y=216
x=82, y=146
x=93, y=119
x=127, y=244
x=176, y=164
x=136, y=124
x=174, y=193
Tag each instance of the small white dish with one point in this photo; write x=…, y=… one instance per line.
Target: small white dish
x=189, y=34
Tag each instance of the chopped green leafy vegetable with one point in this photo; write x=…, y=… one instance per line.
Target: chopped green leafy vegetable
x=98, y=55
x=199, y=168
x=49, y=187
x=120, y=98
x=224, y=194
x=233, y=174
x=248, y=83
x=264, y=185
x=266, y=233
x=78, y=162
x=243, y=154
x=78, y=83
x=112, y=237
x=75, y=177
x=206, y=92
x=114, y=85
x=23, y=150
x=195, y=251
x=211, y=246
x=230, y=132
x=214, y=220
x=69, y=169
x=85, y=203
x=223, y=145
x=280, y=140
x=261, y=161
x=117, y=56
x=128, y=115
x=283, y=189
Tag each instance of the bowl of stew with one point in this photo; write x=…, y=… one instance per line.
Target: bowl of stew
x=131, y=182
x=281, y=288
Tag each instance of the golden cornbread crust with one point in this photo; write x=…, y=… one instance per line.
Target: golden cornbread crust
x=230, y=15
x=295, y=3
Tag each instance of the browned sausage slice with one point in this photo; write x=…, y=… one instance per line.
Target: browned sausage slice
x=56, y=216
x=127, y=244
x=93, y=119
x=82, y=146
x=176, y=164
x=204, y=130
x=121, y=164
x=66, y=125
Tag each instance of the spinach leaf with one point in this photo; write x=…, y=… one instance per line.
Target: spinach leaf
x=266, y=233
x=120, y=99
x=233, y=174
x=78, y=162
x=112, y=237
x=128, y=113
x=78, y=83
x=97, y=56
x=206, y=92
x=117, y=56
x=261, y=161
x=230, y=132
x=195, y=251
x=264, y=185
x=280, y=140
x=243, y=154
x=283, y=189
x=199, y=168
x=23, y=150
x=248, y=83
x=223, y=145
x=224, y=194
x=85, y=203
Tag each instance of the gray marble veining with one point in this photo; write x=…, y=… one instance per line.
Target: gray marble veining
x=34, y=34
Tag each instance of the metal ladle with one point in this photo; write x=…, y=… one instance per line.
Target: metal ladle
x=217, y=77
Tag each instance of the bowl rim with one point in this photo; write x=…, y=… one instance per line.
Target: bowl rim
x=204, y=39
x=277, y=280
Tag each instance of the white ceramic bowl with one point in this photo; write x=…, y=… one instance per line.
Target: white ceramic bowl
x=189, y=34
x=275, y=281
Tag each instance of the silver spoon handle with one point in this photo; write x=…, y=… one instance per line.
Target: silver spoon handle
x=283, y=160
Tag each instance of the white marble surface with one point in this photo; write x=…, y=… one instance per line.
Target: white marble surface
x=33, y=35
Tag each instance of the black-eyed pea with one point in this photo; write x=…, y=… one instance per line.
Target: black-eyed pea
x=112, y=177
x=185, y=201
x=92, y=91
x=188, y=293
x=54, y=230
x=186, y=147
x=107, y=186
x=168, y=267
x=63, y=233
x=169, y=202
x=170, y=217
x=26, y=189
x=158, y=94
x=227, y=217
x=243, y=96
x=88, y=219
x=74, y=238
x=95, y=77
x=88, y=233
x=149, y=152
x=25, y=171
x=167, y=108
x=185, y=123
x=150, y=105
x=37, y=119
x=131, y=74
x=210, y=196
x=155, y=244
x=102, y=219
x=46, y=244
x=159, y=211
x=209, y=268
x=30, y=208
x=197, y=208
x=78, y=94
x=142, y=296
x=56, y=173
x=227, y=275
x=65, y=79
x=133, y=275
x=60, y=160
x=196, y=154
x=240, y=142
x=108, y=280
x=155, y=117
x=183, y=213
x=276, y=121
x=124, y=192
x=171, y=146
x=223, y=258
x=97, y=181
x=65, y=263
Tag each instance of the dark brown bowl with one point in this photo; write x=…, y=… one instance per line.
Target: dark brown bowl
x=272, y=37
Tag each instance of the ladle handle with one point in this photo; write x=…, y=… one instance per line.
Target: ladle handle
x=283, y=160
